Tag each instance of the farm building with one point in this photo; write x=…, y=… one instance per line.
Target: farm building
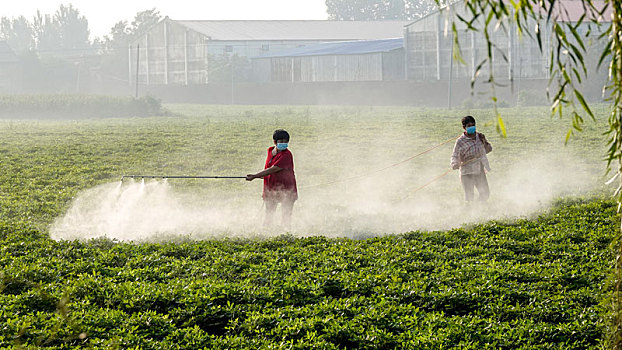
x=364, y=60
x=429, y=42
x=180, y=52
x=10, y=68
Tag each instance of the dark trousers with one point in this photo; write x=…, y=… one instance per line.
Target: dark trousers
x=470, y=181
x=287, y=205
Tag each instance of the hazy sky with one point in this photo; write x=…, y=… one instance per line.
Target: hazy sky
x=102, y=15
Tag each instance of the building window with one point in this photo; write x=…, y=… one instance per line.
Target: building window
x=265, y=47
x=229, y=48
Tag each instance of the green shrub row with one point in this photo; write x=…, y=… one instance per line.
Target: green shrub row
x=517, y=285
x=77, y=106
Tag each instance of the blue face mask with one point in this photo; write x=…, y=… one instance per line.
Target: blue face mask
x=281, y=146
x=470, y=130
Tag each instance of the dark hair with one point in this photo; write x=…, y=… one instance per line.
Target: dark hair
x=468, y=119
x=280, y=134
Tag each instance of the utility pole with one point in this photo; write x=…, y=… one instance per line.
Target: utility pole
x=451, y=68
x=231, y=70
x=137, y=66
x=78, y=65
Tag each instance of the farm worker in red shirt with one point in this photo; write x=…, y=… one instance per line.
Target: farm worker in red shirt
x=470, y=157
x=279, y=181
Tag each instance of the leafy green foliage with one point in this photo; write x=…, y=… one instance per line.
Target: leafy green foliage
x=499, y=285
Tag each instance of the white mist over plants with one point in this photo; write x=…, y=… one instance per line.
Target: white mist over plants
x=374, y=203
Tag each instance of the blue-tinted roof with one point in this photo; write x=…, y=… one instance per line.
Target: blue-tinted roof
x=340, y=48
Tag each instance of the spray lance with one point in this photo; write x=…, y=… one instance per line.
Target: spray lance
x=179, y=177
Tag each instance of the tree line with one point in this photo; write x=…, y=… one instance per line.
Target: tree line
x=67, y=30
x=56, y=49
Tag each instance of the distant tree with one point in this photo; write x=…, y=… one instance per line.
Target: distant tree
x=62, y=32
x=73, y=28
x=18, y=33
x=121, y=34
x=52, y=49
x=143, y=21
x=367, y=10
x=46, y=32
x=115, y=45
x=114, y=51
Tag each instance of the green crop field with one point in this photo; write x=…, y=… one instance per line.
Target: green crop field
x=372, y=260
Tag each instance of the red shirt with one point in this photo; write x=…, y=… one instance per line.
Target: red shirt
x=282, y=183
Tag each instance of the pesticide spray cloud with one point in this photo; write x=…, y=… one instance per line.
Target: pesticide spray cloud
x=145, y=210
x=381, y=203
